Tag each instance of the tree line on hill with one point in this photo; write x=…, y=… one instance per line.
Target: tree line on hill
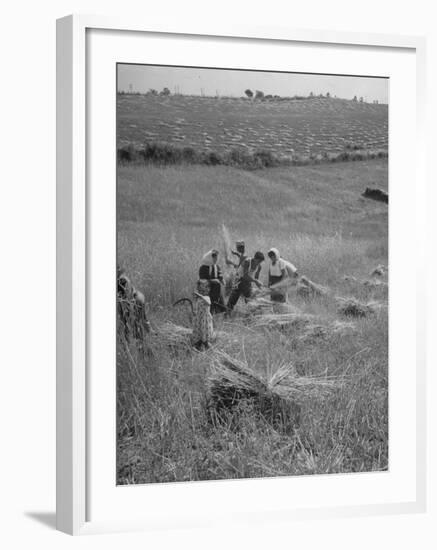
x=249, y=94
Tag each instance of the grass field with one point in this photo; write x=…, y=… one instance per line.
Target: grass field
x=304, y=127
x=167, y=218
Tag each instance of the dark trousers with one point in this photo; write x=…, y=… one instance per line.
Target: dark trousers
x=215, y=294
x=244, y=288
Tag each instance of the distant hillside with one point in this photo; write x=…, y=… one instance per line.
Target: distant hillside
x=316, y=200
x=304, y=126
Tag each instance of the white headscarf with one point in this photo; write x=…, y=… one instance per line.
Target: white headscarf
x=275, y=251
x=208, y=259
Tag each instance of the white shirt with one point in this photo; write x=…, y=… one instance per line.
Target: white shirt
x=280, y=265
x=276, y=269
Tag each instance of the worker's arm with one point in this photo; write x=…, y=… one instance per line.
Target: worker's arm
x=287, y=281
x=249, y=277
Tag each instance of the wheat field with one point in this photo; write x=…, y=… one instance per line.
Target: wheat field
x=168, y=217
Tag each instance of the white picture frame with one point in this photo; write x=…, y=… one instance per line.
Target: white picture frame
x=73, y=277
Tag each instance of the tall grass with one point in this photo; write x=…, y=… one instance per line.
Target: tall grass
x=165, y=266
x=167, y=219
x=164, y=431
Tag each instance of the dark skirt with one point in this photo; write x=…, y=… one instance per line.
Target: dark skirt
x=215, y=294
x=277, y=295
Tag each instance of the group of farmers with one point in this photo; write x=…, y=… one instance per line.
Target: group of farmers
x=281, y=274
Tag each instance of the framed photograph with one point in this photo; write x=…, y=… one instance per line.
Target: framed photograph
x=240, y=332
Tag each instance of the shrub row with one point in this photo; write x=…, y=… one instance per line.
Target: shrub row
x=164, y=154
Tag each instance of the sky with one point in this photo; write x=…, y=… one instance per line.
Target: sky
x=198, y=81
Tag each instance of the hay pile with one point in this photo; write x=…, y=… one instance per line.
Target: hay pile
x=234, y=385
x=281, y=320
x=257, y=306
x=276, y=399
x=286, y=307
x=177, y=336
x=335, y=328
x=379, y=271
x=369, y=283
x=308, y=289
x=173, y=334
x=351, y=307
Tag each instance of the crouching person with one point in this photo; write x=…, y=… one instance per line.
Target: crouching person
x=131, y=307
x=247, y=275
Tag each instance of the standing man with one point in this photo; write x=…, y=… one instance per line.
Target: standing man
x=239, y=252
x=248, y=274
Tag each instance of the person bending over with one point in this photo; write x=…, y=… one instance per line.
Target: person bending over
x=247, y=275
x=281, y=274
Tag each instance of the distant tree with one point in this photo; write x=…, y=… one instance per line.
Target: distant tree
x=311, y=94
x=152, y=91
x=268, y=96
x=328, y=94
x=259, y=94
x=249, y=93
x=355, y=98
x=165, y=91
x=361, y=99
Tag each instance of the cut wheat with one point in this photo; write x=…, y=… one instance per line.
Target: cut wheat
x=276, y=398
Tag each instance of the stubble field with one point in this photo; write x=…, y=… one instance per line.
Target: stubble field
x=284, y=127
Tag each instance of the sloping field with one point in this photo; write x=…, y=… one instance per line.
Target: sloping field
x=169, y=216
x=284, y=127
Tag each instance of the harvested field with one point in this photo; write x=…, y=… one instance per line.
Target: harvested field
x=317, y=126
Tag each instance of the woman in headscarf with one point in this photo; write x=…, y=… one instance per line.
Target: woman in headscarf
x=210, y=270
x=279, y=271
x=203, y=327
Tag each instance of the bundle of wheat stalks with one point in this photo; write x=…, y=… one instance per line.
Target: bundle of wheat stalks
x=309, y=289
x=369, y=283
x=311, y=331
x=279, y=320
x=257, y=306
x=351, y=307
x=174, y=334
x=277, y=398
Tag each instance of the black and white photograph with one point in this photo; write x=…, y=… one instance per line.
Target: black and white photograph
x=252, y=274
